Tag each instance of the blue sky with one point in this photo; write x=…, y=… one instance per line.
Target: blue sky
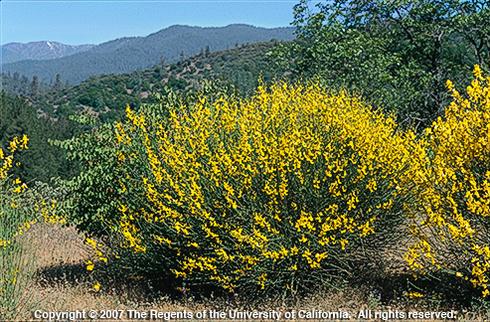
x=96, y=21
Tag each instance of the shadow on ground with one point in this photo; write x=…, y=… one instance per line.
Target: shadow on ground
x=138, y=288
x=441, y=290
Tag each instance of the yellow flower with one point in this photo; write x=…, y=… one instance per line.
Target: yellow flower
x=414, y=295
x=90, y=266
x=96, y=286
x=485, y=293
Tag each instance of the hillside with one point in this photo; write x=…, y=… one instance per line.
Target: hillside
x=46, y=115
x=129, y=54
x=107, y=95
x=38, y=50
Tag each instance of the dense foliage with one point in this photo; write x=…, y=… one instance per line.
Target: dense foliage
x=42, y=161
x=397, y=54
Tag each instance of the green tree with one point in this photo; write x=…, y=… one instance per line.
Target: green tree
x=42, y=160
x=398, y=54
x=34, y=86
x=58, y=84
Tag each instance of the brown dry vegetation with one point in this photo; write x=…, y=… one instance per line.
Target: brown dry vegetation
x=61, y=283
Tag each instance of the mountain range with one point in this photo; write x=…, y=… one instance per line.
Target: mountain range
x=133, y=53
x=38, y=50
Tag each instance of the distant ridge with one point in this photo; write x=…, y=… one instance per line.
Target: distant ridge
x=133, y=53
x=38, y=50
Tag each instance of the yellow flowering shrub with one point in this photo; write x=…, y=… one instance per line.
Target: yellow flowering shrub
x=20, y=208
x=275, y=192
x=452, y=226
x=15, y=220
x=10, y=191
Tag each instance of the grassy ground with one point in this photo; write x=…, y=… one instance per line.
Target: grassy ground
x=62, y=283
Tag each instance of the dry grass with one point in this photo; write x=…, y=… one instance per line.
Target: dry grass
x=63, y=284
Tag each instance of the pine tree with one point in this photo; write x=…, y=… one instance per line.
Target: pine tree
x=34, y=86
x=58, y=85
